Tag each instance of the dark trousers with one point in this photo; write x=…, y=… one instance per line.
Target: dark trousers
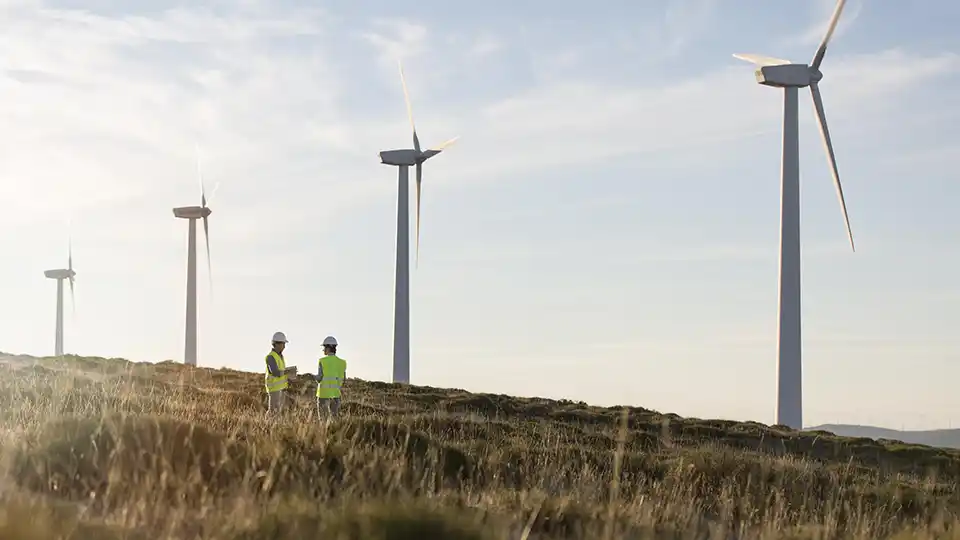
x=328, y=406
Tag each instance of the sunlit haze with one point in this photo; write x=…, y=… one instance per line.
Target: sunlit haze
x=606, y=228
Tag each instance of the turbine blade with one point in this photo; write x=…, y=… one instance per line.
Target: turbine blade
x=760, y=60
x=213, y=192
x=406, y=98
x=203, y=195
x=73, y=305
x=822, y=49
x=206, y=237
x=831, y=158
x=73, y=300
x=445, y=144
x=419, y=179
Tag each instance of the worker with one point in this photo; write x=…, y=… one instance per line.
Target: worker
x=331, y=372
x=277, y=373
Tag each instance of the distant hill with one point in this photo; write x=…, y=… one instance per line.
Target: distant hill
x=943, y=438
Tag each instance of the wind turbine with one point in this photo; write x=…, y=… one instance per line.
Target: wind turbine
x=193, y=213
x=790, y=77
x=404, y=159
x=60, y=275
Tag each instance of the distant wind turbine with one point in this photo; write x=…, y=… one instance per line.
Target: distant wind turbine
x=784, y=74
x=60, y=275
x=193, y=213
x=404, y=159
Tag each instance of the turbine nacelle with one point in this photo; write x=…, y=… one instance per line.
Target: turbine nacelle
x=192, y=212
x=63, y=273
x=399, y=158
x=408, y=157
x=788, y=76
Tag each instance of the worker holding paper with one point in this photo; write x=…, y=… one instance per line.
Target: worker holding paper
x=276, y=378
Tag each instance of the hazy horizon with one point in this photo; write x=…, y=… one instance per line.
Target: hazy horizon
x=605, y=230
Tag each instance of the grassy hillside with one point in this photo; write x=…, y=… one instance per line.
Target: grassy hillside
x=944, y=438
x=110, y=449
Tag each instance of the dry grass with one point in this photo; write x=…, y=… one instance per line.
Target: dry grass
x=107, y=449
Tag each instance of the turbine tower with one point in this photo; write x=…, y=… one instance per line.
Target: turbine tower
x=404, y=159
x=791, y=77
x=60, y=275
x=193, y=213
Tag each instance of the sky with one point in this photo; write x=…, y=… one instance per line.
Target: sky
x=606, y=229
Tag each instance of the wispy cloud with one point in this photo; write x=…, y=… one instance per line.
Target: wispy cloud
x=683, y=22
x=396, y=39
x=118, y=101
x=579, y=121
x=485, y=45
x=114, y=104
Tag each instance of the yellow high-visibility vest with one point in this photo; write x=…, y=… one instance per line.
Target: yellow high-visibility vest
x=334, y=371
x=275, y=384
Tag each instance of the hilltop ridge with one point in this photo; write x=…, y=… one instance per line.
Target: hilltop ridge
x=436, y=463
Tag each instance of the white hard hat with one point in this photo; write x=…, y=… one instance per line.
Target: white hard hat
x=330, y=340
x=279, y=337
